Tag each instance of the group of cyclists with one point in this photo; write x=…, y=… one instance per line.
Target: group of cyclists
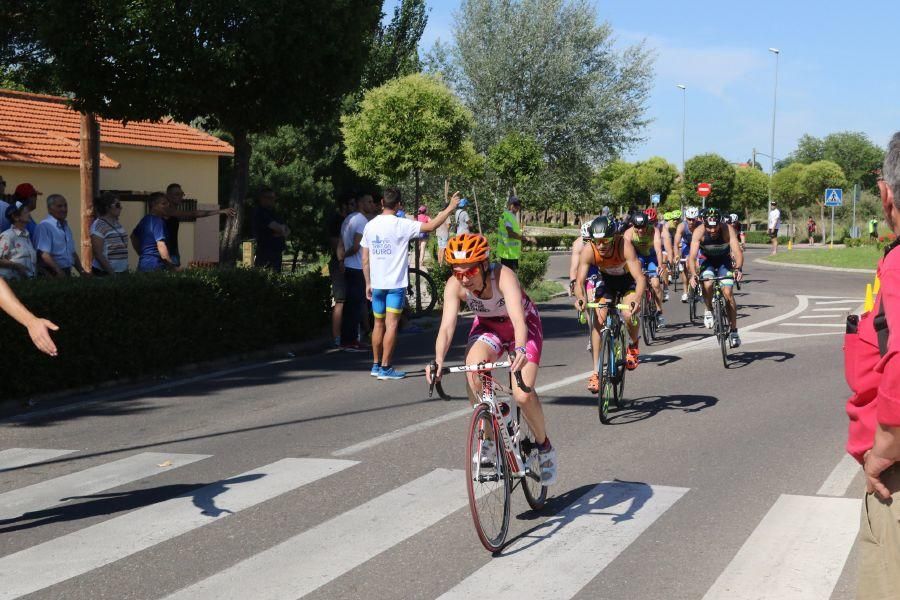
x=614, y=260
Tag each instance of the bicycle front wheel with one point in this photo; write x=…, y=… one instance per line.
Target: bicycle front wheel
x=421, y=293
x=488, y=481
x=619, y=348
x=721, y=328
x=606, y=394
x=532, y=485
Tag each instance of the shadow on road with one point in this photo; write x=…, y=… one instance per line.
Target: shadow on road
x=739, y=360
x=584, y=500
x=97, y=505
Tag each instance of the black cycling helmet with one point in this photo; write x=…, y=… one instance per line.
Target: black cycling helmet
x=602, y=228
x=713, y=217
x=640, y=220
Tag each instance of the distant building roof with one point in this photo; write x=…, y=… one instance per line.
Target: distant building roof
x=41, y=129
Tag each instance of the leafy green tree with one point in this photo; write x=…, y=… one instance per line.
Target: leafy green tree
x=751, y=190
x=395, y=49
x=408, y=125
x=517, y=159
x=714, y=170
x=852, y=151
x=548, y=70
x=655, y=175
x=815, y=179
x=786, y=189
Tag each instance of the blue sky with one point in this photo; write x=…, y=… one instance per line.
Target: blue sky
x=837, y=70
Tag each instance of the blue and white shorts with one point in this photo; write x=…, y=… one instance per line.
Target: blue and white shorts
x=385, y=301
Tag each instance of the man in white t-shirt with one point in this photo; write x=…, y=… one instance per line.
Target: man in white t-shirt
x=351, y=258
x=774, y=224
x=462, y=218
x=385, y=260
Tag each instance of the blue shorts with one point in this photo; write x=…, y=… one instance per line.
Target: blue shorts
x=717, y=268
x=648, y=263
x=388, y=301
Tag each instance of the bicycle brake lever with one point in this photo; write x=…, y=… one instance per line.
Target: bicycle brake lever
x=518, y=376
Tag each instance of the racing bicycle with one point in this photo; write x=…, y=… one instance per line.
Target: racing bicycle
x=611, y=364
x=721, y=326
x=494, y=469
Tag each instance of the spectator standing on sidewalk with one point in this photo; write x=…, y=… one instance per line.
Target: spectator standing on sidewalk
x=872, y=368
x=38, y=329
x=351, y=235
x=270, y=231
x=811, y=229
x=18, y=258
x=54, y=240
x=873, y=229
x=109, y=240
x=442, y=233
x=422, y=241
x=336, y=265
x=509, y=235
x=173, y=217
x=28, y=195
x=385, y=258
x=774, y=224
x=462, y=217
x=149, y=237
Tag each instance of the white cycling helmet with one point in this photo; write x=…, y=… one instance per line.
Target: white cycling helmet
x=691, y=212
x=586, y=229
x=733, y=217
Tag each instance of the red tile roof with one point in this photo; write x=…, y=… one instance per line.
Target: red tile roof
x=35, y=128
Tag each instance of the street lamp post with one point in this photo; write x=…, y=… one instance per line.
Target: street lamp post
x=777, y=53
x=683, y=121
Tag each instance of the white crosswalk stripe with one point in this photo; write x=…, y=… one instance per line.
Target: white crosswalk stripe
x=562, y=555
x=49, y=493
x=76, y=553
x=20, y=457
x=338, y=545
x=798, y=551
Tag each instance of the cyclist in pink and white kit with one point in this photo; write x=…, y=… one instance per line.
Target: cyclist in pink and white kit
x=506, y=320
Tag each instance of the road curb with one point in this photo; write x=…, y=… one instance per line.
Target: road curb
x=812, y=267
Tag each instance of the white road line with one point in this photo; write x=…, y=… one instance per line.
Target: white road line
x=841, y=325
x=797, y=551
x=49, y=493
x=847, y=301
x=77, y=553
x=832, y=309
x=840, y=478
x=568, y=550
x=820, y=316
x=311, y=559
x=415, y=427
x=19, y=457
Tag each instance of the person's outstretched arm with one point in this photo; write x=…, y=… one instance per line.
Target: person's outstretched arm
x=38, y=329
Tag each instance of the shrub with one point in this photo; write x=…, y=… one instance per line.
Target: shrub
x=554, y=242
x=761, y=237
x=532, y=268
x=144, y=324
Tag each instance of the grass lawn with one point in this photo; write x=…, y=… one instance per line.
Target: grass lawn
x=544, y=290
x=863, y=257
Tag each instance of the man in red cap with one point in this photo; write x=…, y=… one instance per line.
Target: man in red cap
x=26, y=194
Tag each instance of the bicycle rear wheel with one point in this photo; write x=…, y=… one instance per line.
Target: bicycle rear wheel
x=606, y=394
x=532, y=485
x=645, y=320
x=421, y=293
x=488, y=483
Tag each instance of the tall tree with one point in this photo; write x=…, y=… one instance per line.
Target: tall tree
x=655, y=175
x=852, y=151
x=714, y=170
x=548, y=70
x=395, y=49
x=408, y=125
x=517, y=160
x=787, y=191
x=751, y=190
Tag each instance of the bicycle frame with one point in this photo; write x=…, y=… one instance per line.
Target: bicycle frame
x=489, y=388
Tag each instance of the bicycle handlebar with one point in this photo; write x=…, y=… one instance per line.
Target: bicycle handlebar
x=607, y=305
x=480, y=367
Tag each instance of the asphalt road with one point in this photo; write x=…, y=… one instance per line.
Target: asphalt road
x=306, y=477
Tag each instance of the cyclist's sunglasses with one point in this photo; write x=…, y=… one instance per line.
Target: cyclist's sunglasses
x=467, y=274
x=604, y=240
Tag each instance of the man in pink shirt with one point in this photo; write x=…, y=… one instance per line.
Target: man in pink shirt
x=872, y=368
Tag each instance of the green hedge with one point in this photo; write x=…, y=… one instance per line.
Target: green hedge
x=761, y=237
x=554, y=242
x=143, y=324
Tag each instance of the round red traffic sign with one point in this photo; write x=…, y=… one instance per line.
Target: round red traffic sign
x=704, y=189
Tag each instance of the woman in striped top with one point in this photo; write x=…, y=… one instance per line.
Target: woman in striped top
x=109, y=240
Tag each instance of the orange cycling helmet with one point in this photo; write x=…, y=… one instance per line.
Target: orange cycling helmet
x=467, y=248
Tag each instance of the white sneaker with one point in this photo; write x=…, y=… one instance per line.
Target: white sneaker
x=660, y=321
x=684, y=297
x=735, y=339
x=666, y=296
x=548, y=466
x=488, y=454
x=708, y=320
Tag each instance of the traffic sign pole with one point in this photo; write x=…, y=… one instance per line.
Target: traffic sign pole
x=830, y=246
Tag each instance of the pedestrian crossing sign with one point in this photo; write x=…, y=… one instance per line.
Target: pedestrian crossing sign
x=834, y=197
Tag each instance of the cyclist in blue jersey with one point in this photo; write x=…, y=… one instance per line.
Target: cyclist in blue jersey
x=646, y=241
